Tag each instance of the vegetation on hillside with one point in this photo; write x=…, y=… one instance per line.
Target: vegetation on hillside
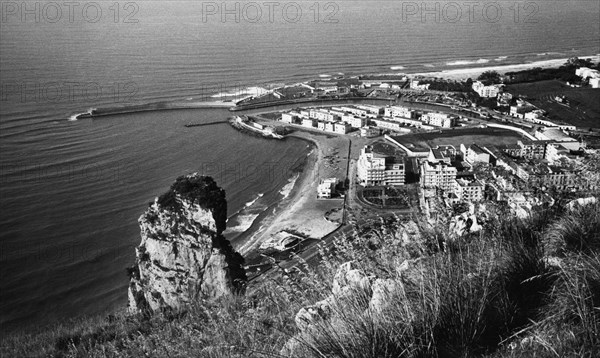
x=517, y=288
x=565, y=73
x=489, y=78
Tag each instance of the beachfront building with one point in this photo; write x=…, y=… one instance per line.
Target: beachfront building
x=486, y=91
x=468, y=190
x=326, y=188
x=378, y=169
x=444, y=120
x=437, y=172
x=369, y=132
x=399, y=111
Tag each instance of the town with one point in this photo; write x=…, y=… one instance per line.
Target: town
x=433, y=152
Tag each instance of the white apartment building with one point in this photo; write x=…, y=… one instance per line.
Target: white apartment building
x=355, y=122
x=377, y=169
x=398, y=111
x=475, y=154
x=291, y=117
x=326, y=188
x=354, y=110
x=323, y=115
x=388, y=124
x=372, y=109
x=486, y=91
x=341, y=128
x=309, y=122
x=444, y=120
x=438, y=172
x=468, y=190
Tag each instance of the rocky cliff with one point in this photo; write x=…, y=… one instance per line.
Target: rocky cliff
x=183, y=255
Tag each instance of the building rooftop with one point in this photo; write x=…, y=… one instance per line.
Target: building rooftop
x=477, y=149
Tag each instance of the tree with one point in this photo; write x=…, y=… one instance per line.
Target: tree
x=489, y=77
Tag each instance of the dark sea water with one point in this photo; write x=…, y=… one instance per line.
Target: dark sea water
x=71, y=191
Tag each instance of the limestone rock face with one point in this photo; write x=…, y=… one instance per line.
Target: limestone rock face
x=183, y=255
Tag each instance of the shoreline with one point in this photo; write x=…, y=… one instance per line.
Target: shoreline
x=247, y=242
x=299, y=208
x=472, y=72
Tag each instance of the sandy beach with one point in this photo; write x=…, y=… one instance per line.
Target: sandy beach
x=301, y=211
x=474, y=72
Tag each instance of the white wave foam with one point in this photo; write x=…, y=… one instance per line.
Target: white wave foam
x=73, y=117
x=429, y=65
x=251, y=202
x=324, y=76
x=243, y=222
x=500, y=58
x=287, y=189
x=395, y=68
x=467, y=62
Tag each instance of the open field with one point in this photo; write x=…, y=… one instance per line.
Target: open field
x=583, y=109
x=456, y=137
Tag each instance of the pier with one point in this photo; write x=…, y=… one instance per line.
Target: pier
x=204, y=124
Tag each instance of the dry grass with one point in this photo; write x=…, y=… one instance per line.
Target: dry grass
x=494, y=294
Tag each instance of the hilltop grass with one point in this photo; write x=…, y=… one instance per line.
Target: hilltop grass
x=516, y=289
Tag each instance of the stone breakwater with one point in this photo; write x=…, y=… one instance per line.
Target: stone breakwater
x=183, y=256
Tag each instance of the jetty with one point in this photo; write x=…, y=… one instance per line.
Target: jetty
x=204, y=124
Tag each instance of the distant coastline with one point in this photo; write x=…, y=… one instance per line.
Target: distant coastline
x=450, y=74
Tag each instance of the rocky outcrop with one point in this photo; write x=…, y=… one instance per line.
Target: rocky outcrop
x=183, y=255
x=353, y=292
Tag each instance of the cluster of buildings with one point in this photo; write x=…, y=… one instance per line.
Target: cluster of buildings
x=511, y=170
x=369, y=119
